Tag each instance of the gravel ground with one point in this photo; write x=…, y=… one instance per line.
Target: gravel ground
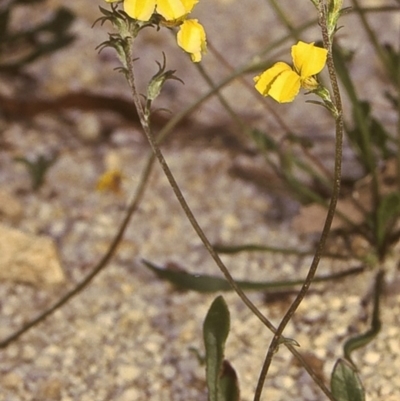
x=128, y=336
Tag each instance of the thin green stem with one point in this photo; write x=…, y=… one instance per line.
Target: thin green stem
x=158, y=154
x=398, y=109
x=249, y=67
x=178, y=193
x=164, y=132
x=329, y=218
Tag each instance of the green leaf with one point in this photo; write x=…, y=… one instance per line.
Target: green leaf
x=387, y=215
x=345, y=383
x=393, y=61
x=37, y=168
x=215, y=332
x=263, y=141
x=363, y=339
x=206, y=283
x=228, y=383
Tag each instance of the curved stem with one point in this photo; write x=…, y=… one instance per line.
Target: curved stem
x=178, y=193
x=329, y=218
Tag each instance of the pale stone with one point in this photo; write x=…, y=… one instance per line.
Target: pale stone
x=11, y=381
x=272, y=393
x=128, y=372
x=169, y=372
x=394, y=346
x=88, y=127
x=10, y=206
x=285, y=382
x=28, y=352
x=129, y=395
x=372, y=358
x=28, y=258
x=51, y=389
x=44, y=361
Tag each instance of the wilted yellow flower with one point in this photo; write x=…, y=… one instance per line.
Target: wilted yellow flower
x=110, y=181
x=192, y=38
x=283, y=82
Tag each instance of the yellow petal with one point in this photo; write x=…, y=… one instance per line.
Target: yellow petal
x=308, y=59
x=285, y=87
x=141, y=10
x=192, y=38
x=264, y=81
x=189, y=4
x=171, y=9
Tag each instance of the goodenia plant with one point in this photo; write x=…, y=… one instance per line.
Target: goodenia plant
x=281, y=82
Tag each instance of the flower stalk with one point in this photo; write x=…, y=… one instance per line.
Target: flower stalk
x=327, y=41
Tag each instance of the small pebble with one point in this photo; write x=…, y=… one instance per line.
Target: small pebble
x=372, y=357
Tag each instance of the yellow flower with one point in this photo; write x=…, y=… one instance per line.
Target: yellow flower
x=283, y=82
x=191, y=35
x=174, y=9
x=142, y=10
x=192, y=38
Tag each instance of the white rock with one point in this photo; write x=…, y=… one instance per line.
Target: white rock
x=372, y=358
x=128, y=372
x=28, y=352
x=129, y=395
x=169, y=372
x=88, y=127
x=28, y=258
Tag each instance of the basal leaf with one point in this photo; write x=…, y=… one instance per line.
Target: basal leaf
x=228, y=383
x=215, y=332
x=345, y=383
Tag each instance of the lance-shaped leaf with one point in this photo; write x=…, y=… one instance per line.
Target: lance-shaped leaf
x=207, y=283
x=345, y=383
x=220, y=376
x=228, y=383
